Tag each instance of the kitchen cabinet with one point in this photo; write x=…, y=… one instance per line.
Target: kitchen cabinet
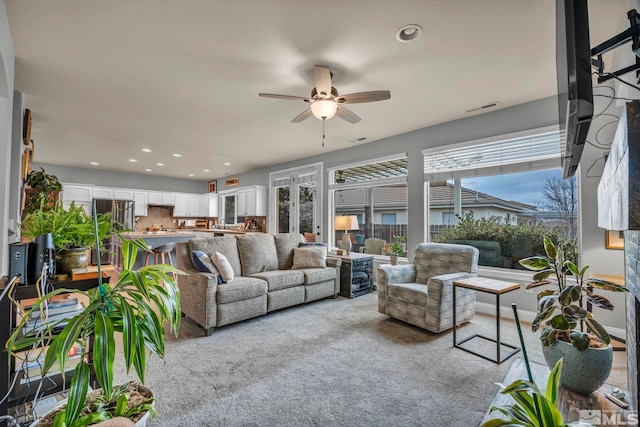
x=140, y=203
x=81, y=195
x=162, y=199
x=102, y=193
x=188, y=205
x=209, y=205
x=123, y=194
x=252, y=201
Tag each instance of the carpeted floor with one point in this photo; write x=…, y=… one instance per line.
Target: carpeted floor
x=330, y=363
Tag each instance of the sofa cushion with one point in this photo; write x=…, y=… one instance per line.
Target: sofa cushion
x=226, y=245
x=281, y=279
x=318, y=275
x=223, y=266
x=257, y=253
x=285, y=242
x=240, y=289
x=202, y=262
x=309, y=257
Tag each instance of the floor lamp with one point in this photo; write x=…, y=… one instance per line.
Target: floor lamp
x=346, y=223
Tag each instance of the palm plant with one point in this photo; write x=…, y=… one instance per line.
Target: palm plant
x=137, y=306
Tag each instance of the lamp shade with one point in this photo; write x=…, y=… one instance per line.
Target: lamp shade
x=346, y=222
x=324, y=108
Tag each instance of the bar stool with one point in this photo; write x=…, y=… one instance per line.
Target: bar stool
x=159, y=253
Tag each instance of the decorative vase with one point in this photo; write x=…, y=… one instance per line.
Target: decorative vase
x=394, y=259
x=582, y=371
x=70, y=259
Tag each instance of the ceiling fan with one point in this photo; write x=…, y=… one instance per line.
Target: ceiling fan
x=325, y=100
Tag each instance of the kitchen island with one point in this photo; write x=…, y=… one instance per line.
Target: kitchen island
x=153, y=239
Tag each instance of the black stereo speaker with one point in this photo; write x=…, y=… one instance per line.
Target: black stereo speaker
x=41, y=253
x=19, y=262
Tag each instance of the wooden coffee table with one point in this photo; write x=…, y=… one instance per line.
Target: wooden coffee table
x=491, y=286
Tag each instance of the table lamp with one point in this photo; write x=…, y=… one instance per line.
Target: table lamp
x=346, y=223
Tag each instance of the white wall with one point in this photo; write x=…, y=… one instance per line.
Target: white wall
x=7, y=61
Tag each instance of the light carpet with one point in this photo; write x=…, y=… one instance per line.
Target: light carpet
x=330, y=363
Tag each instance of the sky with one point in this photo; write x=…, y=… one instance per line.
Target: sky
x=525, y=187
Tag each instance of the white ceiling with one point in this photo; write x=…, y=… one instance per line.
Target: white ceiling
x=105, y=79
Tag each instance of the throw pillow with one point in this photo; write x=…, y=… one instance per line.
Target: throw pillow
x=224, y=267
x=309, y=257
x=318, y=244
x=202, y=262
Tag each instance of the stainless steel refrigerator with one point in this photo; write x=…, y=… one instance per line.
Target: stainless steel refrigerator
x=122, y=213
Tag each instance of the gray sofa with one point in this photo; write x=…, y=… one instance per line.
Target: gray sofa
x=263, y=282
x=422, y=293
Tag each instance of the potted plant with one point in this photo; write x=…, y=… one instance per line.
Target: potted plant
x=41, y=191
x=73, y=233
x=136, y=306
x=396, y=249
x=569, y=331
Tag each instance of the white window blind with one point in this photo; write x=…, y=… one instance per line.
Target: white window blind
x=510, y=155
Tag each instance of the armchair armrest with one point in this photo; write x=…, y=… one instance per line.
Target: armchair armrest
x=198, y=297
x=440, y=295
x=334, y=262
x=390, y=274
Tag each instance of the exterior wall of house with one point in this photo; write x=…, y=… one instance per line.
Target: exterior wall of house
x=7, y=62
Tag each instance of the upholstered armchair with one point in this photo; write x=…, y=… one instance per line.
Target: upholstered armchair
x=373, y=246
x=422, y=293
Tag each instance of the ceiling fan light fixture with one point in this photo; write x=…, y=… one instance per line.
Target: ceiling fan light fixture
x=324, y=108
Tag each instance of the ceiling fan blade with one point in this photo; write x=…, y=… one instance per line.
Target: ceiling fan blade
x=290, y=97
x=355, y=98
x=302, y=116
x=347, y=115
x=322, y=78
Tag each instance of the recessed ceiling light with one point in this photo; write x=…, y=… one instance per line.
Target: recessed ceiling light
x=132, y=160
x=159, y=164
x=206, y=170
x=191, y=174
x=147, y=170
x=409, y=33
x=177, y=155
x=146, y=150
x=94, y=163
x=227, y=164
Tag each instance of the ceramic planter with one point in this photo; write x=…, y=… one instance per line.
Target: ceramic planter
x=582, y=371
x=70, y=259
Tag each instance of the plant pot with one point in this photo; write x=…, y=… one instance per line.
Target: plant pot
x=582, y=371
x=70, y=259
x=142, y=422
x=394, y=259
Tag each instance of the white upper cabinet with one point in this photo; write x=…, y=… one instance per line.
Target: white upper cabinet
x=140, y=202
x=159, y=198
x=102, y=193
x=252, y=201
x=209, y=205
x=79, y=194
x=123, y=194
x=180, y=207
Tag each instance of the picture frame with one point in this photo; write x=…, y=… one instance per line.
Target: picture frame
x=213, y=186
x=232, y=182
x=614, y=239
x=26, y=127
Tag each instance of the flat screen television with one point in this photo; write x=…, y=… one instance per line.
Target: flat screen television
x=575, y=89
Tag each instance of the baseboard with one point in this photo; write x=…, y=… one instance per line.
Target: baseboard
x=528, y=316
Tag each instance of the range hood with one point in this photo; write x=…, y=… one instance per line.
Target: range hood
x=619, y=188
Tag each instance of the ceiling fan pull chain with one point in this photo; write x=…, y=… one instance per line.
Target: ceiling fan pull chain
x=323, y=135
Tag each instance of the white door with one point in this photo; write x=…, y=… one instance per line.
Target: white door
x=296, y=205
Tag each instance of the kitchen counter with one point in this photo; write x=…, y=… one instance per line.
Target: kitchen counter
x=159, y=234
x=216, y=231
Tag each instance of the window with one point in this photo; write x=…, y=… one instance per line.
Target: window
x=374, y=191
x=502, y=196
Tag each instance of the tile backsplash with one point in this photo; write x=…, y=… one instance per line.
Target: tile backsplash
x=157, y=215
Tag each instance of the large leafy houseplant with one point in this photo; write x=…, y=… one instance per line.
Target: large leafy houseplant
x=71, y=228
x=561, y=310
x=136, y=306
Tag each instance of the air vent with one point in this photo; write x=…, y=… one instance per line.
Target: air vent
x=484, y=107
